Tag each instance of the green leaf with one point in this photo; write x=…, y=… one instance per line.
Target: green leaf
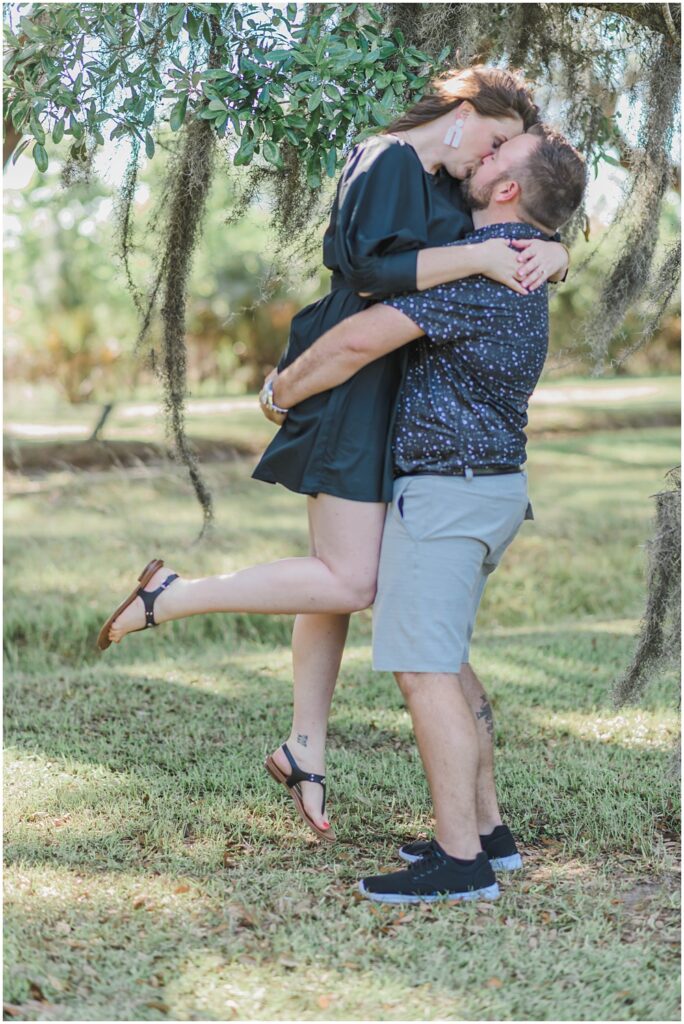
x=381, y=115
x=18, y=114
x=217, y=105
x=313, y=171
x=193, y=25
x=272, y=153
x=20, y=149
x=148, y=118
x=178, y=113
x=58, y=131
x=37, y=130
x=315, y=99
x=149, y=145
x=244, y=154
x=110, y=32
x=177, y=21
x=444, y=54
x=419, y=83
x=331, y=163
x=40, y=156
x=296, y=121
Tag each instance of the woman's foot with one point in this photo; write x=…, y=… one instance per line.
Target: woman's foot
x=133, y=617
x=312, y=794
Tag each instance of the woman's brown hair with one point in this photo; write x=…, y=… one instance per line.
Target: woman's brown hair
x=493, y=92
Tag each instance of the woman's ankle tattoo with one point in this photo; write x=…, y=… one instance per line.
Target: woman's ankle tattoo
x=302, y=739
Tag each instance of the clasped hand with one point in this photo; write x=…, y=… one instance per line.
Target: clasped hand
x=270, y=414
x=523, y=264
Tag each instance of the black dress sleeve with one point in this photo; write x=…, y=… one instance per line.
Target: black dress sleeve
x=561, y=280
x=381, y=219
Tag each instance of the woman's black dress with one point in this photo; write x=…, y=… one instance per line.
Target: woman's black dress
x=386, y=209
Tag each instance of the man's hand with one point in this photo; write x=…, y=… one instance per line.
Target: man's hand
x=270, y=414
x=538, y=261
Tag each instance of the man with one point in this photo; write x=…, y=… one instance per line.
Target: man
x=460, y=497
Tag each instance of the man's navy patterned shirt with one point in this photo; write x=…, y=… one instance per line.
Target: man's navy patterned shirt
x=464, y=399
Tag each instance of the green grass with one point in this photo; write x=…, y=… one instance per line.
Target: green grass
x=154, y=871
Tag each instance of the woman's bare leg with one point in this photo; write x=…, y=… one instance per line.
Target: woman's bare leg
x=340, y=578
x=317, y=647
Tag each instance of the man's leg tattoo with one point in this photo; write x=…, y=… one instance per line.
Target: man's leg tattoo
x=485, y=713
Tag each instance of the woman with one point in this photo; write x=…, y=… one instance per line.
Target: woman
x=398, y=204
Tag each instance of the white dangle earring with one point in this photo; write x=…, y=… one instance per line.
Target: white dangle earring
x=454, y=135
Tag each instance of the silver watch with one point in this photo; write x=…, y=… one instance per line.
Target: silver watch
x=266, y=399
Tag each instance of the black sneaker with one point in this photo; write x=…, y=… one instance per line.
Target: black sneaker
x=437, y=876
x=499, y=846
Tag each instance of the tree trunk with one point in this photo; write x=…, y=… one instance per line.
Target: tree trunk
x=10, y=141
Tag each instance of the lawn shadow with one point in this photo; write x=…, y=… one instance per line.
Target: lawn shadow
x=178, y=751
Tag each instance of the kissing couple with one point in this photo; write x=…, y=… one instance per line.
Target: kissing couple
x=402, y=401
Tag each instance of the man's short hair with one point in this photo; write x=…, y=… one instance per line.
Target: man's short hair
x=552, y=180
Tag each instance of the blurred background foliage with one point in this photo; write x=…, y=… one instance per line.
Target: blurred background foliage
x=69, y=317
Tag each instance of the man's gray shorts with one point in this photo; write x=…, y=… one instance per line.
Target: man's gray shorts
x=443, y=537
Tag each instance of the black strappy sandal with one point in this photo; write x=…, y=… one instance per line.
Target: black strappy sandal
x=292, y=781
x=148, y=598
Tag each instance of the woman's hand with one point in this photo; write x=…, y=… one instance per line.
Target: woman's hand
x=499, y=262
x=270, y=414
x=538, y=261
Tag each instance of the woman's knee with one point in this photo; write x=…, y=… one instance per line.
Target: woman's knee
x=359, y=592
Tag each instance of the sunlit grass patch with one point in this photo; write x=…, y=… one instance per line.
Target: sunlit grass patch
x=155, y=871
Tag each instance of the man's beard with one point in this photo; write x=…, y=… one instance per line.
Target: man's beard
x=479, y=197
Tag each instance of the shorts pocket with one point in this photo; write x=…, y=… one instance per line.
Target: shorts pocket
x=406, y=508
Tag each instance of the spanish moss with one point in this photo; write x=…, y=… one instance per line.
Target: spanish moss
x=659, y=642
x=124, y=220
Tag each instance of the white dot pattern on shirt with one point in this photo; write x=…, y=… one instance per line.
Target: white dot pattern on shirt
x=463, y=402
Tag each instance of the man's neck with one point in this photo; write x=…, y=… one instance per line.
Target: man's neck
x=493, y=215
x=483, y=218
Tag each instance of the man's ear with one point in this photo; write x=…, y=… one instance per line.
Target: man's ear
x=507, y=192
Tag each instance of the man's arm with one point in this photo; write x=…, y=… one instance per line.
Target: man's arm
x=343, y=350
